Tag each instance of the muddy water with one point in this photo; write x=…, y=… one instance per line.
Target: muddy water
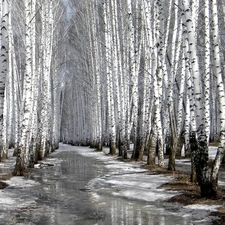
x=62, y=196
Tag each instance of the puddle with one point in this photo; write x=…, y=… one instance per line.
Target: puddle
x=82, y=190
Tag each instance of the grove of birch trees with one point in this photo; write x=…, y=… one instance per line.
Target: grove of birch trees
x=148, y=73
x=114, y=73
x=31, y=74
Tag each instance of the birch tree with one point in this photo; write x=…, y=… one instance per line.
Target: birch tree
x=110, y=95
x=22, y=161
x=207, y=68
x=3, y=63
x=46, y=49
x=129, y=62
x=220, y=86
x=176, y=49
x=36, y=112
x=198, y=138
x=133, y=50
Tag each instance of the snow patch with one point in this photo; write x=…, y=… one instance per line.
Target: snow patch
x=10, y=200
x=221, y=183
x=128, y=179
x=151, y=196
x=21, y=182
x=5, y=199
x=212, y=152
x=211, y=208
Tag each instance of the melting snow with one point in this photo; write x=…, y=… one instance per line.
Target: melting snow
x=21, y=182
x=211, y=208
x=129, y=181
x=125, y=180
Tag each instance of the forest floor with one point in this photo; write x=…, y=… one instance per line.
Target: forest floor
x=190, y=192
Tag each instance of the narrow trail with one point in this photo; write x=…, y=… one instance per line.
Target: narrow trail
x=76, y=185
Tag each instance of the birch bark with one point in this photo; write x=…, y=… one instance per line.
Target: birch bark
x=207, y=69
x=47, y=32
x=124, y=81
x=3, y=63
x=133, y=75
x=198, y=138
x=174, y=61
x=221, y=95
x=97, y=73
x=22, y=160
x=110, y=95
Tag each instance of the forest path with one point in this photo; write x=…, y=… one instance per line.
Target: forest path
x=76, y=185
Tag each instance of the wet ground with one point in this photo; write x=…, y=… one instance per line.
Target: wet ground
x=72, y=188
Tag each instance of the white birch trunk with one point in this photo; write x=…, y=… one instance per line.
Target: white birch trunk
x=124, y=81
x=97, y=87
x=181, y=95
x=3, y=64
x=133, y=73
x=207, y=69
x=22, y=161
x=46, y=111
x=221, y=97
x=56, y=111
x=176, y=47
x=16, y=101
x=8, y=101
x=198, y=138
x=148, y=65
x=190, y=122
x=110, y=95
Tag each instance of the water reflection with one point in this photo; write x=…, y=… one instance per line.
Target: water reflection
x=65, y=196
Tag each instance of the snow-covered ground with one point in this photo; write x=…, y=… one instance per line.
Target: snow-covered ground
x=122, y=180
x=130, y=181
